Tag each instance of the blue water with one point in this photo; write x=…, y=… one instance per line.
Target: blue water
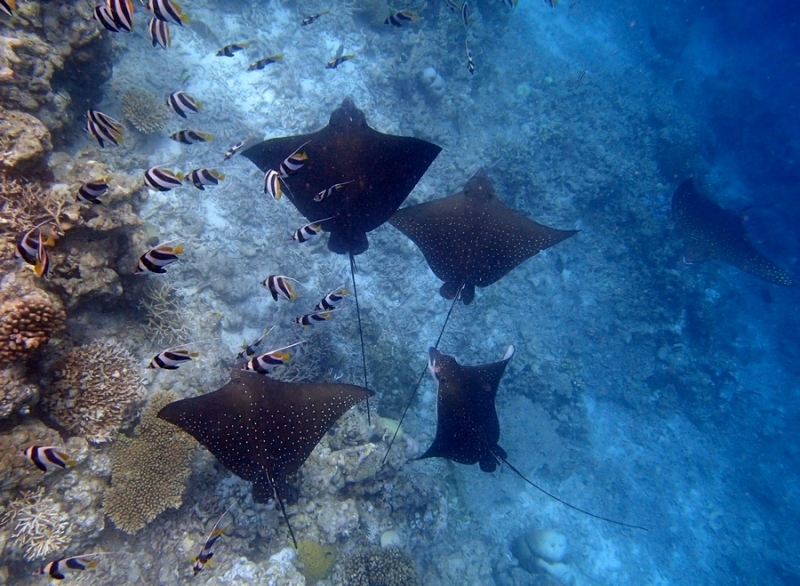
x=643, y=389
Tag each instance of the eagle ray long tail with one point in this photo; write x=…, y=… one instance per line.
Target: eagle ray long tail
x=360, y=331
x=283, y=510
x=565, y=503
x=421, y=376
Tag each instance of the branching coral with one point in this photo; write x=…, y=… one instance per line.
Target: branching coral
x=148, y=471
x=26, y=323
x=143, y=110
x=388, y=566
x=40, y=527
x=92, y=391
x=166, y=317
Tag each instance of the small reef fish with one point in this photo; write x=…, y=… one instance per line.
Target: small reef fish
x=453, y=6
x=267, y=362
x=183, y=104
x=331, y=190
x=172, y=358
x=47, y=458
x=470, y=62
x=202, y=177
x=272, y=183
x=310, y=319
x=167, y=11
x=309, y=19
x=104, y=128
x=122, y=13
x=58, y=569
x=294, y=162
x=191, y=136
x=91, y=191
x=28, y=245
x=235, y=148
x=465, y=13
x=162, y=180
x=252, y=348
x=8, y=6
x=42, y=266
x=232, y=49
x=157, y=258
x=102, y=15
x=262, y=63
x=329, y=302
x=159, y=33
x=309, y=230
x=279, y=286
x=581, y=76
x=339, y=58
x=206, y=554
x=398, y=18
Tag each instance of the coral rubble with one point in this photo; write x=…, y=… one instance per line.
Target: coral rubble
x=148, y=471
x=93, y=390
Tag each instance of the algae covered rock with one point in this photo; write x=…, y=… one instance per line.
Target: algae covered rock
x=317, y=560
x=24, y=141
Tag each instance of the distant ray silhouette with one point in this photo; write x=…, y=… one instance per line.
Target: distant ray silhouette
x=261, y=429
x=467, y=427
x=383, y=168
x=713, y=233
x=471, y=238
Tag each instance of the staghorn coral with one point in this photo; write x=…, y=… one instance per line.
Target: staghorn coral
x=143, y=110
x=388, y=566
x=93, y=389
x=167, y=318
x=40, y=526
x=148, y=471
x=27, y=322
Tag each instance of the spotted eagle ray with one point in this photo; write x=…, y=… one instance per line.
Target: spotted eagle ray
x=467, y=427
x=261, y=429
x=471, y=238
x=713, y=233
x=383, y=168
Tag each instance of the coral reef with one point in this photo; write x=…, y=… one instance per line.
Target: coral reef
x=148, y=471
x=93, y=390
x=17, y=472
x=40, y=526
x=28, y=318
x=388, y=566
x=317, y=560
x=16, y=391
x=536, y=546
x=24, y=141
x=143, y=110
x=167, y=317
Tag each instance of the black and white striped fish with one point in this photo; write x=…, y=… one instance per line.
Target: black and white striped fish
x=122, y=13
x=58, y=569
x=309, y=230
x=279, y=286
x=236, y=148
x=267, y=362
x=167, y=11
x=162, y=180
x=329, y=302
x=159, y=33
x=8, y=6
x=398, y=18
x=103, y=15
x=466, y=18
x=28, y=244
x=206, y=553
x=331, y=190
x=470, y=62
x=158, y=258
x=310, y=319
x=202, y=177
x=47, y=458
x=252, y=348
x=191, y=136
x=232, y=49
x=292, y=164
x=104, y=128
x=91, y=191
x=272, y=183
x=183, y=104
x=172, y=358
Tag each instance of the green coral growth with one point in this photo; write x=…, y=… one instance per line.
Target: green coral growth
x=388, y=566
x=317, y=560
x=148, y=471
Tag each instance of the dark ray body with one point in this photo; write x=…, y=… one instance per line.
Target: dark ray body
x=471, y=238
x=712, y=233
x=261, y=429
x=384, y=169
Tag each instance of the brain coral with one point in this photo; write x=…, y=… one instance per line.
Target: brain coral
x=92, y=391
x=26, y=323
x=389, y=566
x=143, y=110
x=149, y=470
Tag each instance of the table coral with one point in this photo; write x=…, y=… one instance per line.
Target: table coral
x=148, y=471
x=143, y=110
x=93, y=389
x=389, y=566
